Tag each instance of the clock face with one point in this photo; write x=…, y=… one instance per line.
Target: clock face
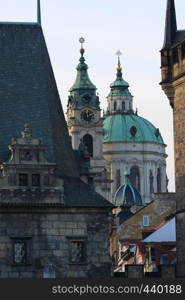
x=87, y=115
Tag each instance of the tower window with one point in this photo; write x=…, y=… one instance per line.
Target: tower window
x=35, y=179
x=23, y=179
x=158, y=180
x=123, y=105
x=115, y=106
x=135, y=177
x=88, y=141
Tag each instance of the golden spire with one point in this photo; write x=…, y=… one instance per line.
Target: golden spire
x=119, y=53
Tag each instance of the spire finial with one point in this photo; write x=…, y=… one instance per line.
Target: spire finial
x=82, y=41
x=119, y=53
x=38, y=12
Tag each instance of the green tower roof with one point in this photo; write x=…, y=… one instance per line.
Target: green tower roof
x=130, y=128
x=82, y=79
x=119, y=82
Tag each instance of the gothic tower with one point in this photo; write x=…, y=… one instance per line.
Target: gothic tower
x=173, y=84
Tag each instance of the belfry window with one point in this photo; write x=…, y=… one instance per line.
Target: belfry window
x=115, y=106
x=88, y=141
x=135, y=177
x=158, y=180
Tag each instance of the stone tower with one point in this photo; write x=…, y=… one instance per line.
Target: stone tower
x=173, y=84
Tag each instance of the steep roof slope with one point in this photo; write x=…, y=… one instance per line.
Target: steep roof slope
x=28, y=94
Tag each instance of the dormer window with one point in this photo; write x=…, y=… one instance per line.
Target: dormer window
x=23, y=179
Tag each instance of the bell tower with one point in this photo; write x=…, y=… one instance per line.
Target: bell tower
x=84, y=120
x=173, y=84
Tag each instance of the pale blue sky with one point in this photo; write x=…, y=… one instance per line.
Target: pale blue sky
x=134, y=26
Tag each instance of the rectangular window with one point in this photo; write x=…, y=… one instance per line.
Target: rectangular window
x=21, y=251
x=146, y=220
x=77, y=250
x=35, y=179
x=23, y=179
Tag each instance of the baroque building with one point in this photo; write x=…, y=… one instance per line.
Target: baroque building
x=52, y=224
x=118, y=142
x=132, y=143
x=173, y=84
x=85, y=125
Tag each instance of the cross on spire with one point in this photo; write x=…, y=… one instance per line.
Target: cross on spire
x=119, y=53
x=82, y=41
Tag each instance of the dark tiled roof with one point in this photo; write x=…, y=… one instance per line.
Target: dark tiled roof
x=179, y=37
x=28, y=94
x=79, y=194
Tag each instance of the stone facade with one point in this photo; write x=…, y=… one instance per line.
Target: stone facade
x=51, y=233
x=173, y=84
x=39, y=235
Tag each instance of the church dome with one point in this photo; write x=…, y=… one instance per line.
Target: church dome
x=130, y=128
x=127, y=195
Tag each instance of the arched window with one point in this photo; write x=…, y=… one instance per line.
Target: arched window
x=151, y=179
x=158, y=180
x=123, y=105
x=135, y=177
x=88, y=141
x=115, y=106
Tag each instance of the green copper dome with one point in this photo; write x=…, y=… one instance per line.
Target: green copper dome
x=130, y=128
x=127, y=195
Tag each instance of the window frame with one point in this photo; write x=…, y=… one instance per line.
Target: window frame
x=146, y=224
x=76, y=239
x=27, y=241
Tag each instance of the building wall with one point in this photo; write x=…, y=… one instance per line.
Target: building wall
x=147, y=156
x=173, y=84
x=51, y=234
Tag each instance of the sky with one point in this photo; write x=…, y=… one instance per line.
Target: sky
x=136, y=27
